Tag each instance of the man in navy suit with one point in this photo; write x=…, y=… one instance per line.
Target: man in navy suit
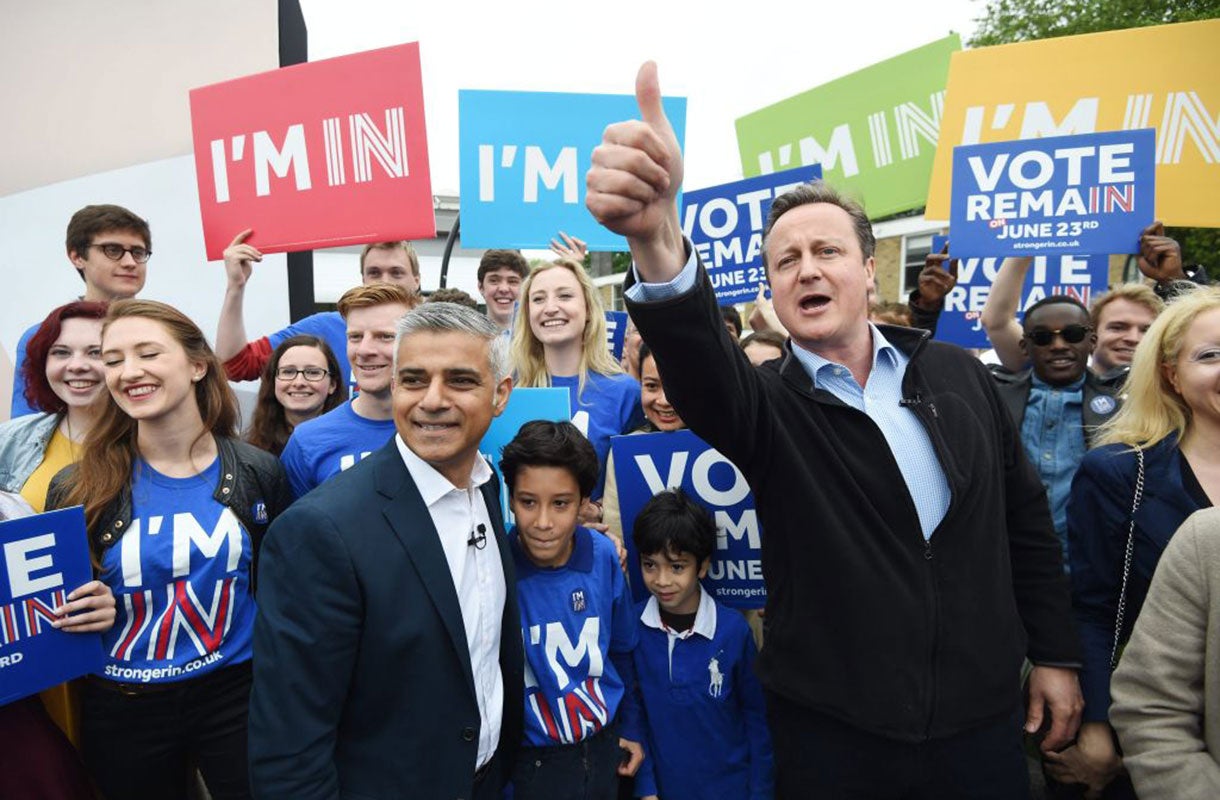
x=388, y=662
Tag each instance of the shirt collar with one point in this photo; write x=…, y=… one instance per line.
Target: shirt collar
x=1075, y=386
x=431, y=484
x=814, y=363
x=705, y=617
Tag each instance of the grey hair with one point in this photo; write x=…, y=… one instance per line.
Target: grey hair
x=454, y=318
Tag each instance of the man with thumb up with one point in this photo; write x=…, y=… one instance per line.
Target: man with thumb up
x=910, y=560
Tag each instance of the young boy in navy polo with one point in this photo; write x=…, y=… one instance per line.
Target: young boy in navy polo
x=706, y=726
x=582, y=726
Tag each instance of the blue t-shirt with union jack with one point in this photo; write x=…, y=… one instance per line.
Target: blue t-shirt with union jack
x=180, y=575
x=579, y=630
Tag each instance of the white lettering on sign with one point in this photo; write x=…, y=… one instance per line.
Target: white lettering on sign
x=1185, y=119
x=719, y=216
x=1065, y=275
x=561, y=174
x=355, y=139
x=746, y=527
x=700, y=476
x=912, y=123
x=21, y=565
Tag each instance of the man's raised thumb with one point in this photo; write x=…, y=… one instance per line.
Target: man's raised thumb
x=648, y=96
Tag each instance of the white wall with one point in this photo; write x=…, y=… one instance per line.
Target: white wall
x=36, y=276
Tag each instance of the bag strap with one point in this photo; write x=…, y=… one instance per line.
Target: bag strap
x=1122, y=594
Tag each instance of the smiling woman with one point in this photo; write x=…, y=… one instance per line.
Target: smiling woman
x=300, y=382
x=561, y=341
x=161, y=459
x=1161, y=454
x=63, y=380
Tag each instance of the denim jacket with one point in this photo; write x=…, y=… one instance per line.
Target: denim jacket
x=23, y=443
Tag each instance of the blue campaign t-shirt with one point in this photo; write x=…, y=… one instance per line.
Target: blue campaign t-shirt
x=328, y=326
x=579, y=630
x=181, y=581
x=324, y=446
x=608, y=406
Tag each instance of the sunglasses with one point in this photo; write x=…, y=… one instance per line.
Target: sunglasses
x=1072, y=334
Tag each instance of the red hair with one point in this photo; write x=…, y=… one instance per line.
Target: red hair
x=38, y=392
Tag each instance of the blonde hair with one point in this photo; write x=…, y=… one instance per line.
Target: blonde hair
x=527, y=353
x=1136, y=293
x=1152, y=408
x=406, y=247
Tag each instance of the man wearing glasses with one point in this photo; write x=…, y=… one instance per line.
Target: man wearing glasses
x=1058, y=403
x=109, y=246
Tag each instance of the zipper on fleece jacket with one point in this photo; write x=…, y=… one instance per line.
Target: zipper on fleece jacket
x=933, y=680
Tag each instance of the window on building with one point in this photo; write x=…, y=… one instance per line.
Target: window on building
x=915, y=250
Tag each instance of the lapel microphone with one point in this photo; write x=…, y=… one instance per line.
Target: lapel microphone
x=478, y=537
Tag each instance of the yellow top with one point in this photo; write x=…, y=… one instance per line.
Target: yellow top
x=61, y=451
x=61, y=701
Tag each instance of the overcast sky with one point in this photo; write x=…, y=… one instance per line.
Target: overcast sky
x=728, y=59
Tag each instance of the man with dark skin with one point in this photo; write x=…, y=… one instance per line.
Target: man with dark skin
x=1049, y=328
x=1058, y=403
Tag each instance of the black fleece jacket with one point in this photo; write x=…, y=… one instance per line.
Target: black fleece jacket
x=866, y=621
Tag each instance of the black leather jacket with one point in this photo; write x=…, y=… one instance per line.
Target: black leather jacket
x=252, y=483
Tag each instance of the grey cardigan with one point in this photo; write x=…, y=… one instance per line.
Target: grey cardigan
x=1166, y=689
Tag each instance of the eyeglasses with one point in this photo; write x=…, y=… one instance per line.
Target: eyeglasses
x=1072, y=334
x=312, y=374
x=115, y=252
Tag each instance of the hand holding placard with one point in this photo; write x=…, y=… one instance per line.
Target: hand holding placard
x=238, y=256
x=1160, y=256
x=935, y=281
x=634, y=180
x=570, y=248
x=90, y=609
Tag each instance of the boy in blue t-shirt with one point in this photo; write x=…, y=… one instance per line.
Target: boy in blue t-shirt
x=581, y=712
x=706, y=724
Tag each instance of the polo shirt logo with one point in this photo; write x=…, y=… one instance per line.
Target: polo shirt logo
x=716, y=678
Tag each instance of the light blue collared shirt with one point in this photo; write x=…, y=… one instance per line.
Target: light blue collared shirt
x=879, y=399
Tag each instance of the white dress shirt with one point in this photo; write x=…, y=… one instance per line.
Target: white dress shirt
x=478, y=577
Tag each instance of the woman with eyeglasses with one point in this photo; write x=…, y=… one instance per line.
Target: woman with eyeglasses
x=301, y=381
x=175, y=508
x=1159, y=462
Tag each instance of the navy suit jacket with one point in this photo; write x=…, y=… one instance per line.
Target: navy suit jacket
x=362, y=678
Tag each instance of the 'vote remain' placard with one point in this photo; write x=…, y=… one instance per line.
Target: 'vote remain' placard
x=1081, y=277
x=44, y=557
x=1090, y=194
x=725, y=224
x=323, y=154
x=648, y=463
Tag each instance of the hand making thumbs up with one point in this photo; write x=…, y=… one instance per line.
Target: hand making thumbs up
x=635, y=177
